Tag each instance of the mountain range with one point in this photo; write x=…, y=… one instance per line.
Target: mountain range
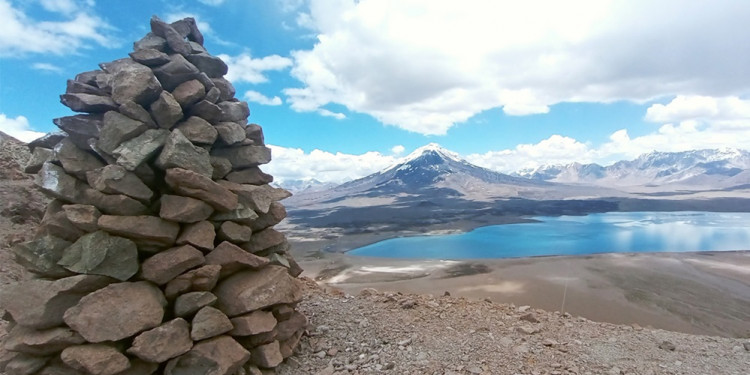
x=432, y=172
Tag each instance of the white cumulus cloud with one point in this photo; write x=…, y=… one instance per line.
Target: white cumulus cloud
x=18, y=128
x=295, y=164
x=256, y=97
x=245, y=68
x=425, y=65
x=78, y=28
x=398, y=149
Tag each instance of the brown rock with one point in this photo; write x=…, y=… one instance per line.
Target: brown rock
x=233, y=232
x=189, y=93
x=117, y=311
x=115, y=179
x=276, y=213
x=287, y=346
x=39, y=156
x=263, y=240
x=283, y=312
x=247, y=291
x=88, y=103
x=200, y=234
x=252, y=175
x=217, y=356
x=242, y=214
x=254, y=323
x=135, y=82
x=189, y=303
x=95, y=359
x=116, y=129
x=150, y=57
x=41, y=303
x=244, y=156
x=41, y=342
x=268, y=355
x=179, y=152
x=230, y=132
x=199, y=279
x=83, y=216
x=259, y=198
x=74, y=160
x=198, y=186
x=206, y=110
x=231, y=258
x=165, y=110
x=198, y=130
x=222, y=167
x=164, y=342
x=209, y=322
x=144, y=230
x=166, y=265
x=287, y=328
x=184, y=209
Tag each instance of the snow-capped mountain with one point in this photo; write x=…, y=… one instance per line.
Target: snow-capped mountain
x=718, y=168
x=305, y=185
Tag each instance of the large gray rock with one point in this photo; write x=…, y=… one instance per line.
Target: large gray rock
x=75, y=87
x=150, y=41
x=80, y=128
x=247, y=291
x=199, y=186
x=198, y=280
x=179, y=152
x=115, y=179
x=254, y=323
x=40, y=255
x=116, y=129
x=41, y=303
x=55, y=223
x=137, y=112
x=211, y=65
x=234, y=111
x=99, y=253
x=145, y=230
x=74, y=160
x=166, y=265
x=25, y=364
x=252, y=175
x=189, y=92
x=166, y=111
x=264, y=239
x=230, y=132
x=88, y=103
x=200, y=234
x=232, y=258
x=184, y=209
x=244, y=156
x=287, y=328
x=39, y=156
x=95, y=359
x=135, y=152
x=135, y=82
x=209, y=322
x=163, y=343
x=222, y=167
x=242, y=214
x=255, y=133
x=41, y=342
x=175, y=72
x=217, y=356
x=187, y=27
x=198, y=130
x=189, y=303
x=83, y=216
x=117, y=311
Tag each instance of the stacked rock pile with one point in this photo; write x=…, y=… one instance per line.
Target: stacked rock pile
x=158, y=252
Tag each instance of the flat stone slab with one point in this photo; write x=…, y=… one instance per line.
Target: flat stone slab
x=192, y=184
x=145, y=229
x=248, y=291
x=99, y=253
x=168, y=264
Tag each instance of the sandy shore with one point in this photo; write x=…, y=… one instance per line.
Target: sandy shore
x=700, y=293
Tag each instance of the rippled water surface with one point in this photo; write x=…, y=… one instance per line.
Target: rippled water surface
x=574, y=235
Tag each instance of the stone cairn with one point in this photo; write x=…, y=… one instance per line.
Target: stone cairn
x=158, y=253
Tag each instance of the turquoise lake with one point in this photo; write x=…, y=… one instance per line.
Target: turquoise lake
x=612, y=232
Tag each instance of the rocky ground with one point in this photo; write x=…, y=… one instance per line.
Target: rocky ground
x=381, y=332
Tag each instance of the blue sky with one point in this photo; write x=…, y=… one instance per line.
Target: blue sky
x=344, y=88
